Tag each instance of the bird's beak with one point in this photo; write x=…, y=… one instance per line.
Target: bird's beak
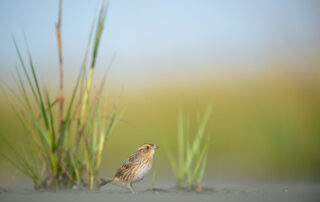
x=155, y=147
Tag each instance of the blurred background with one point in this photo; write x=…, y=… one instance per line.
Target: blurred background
x=256, y=62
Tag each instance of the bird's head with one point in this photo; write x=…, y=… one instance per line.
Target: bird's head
x=147, y=149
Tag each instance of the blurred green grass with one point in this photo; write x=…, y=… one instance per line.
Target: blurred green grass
x=265, y=126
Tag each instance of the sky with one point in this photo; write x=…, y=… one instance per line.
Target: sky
x=163, y=37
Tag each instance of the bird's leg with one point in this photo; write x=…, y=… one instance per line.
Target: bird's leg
x=130, y=187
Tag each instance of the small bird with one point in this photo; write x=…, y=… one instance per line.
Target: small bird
x=135, y=168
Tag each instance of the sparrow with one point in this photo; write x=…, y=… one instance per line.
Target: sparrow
x=135, y=168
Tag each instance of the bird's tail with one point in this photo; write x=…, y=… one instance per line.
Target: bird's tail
x=102, y=182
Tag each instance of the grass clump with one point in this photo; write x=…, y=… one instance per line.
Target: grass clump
x=69, y=140
x=190, y=162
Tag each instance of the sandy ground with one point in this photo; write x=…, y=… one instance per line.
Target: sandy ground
x=224, y=192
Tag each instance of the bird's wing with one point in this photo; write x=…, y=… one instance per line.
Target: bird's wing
x=127, y=165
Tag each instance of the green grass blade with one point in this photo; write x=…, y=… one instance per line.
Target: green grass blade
x=202, y=168
x=102, y=16
x=37, y=87
x=24, y=92
x=94, y=136
x=75, y=168
x=200, y=133
x=25, y=71
x=67, y=119
x=188, y=151
x=113, y=122
x=51, y=125
x=198, y=164
x=16, y=165
x=181, y=140
x=102, y=83
x=23, y=163
x=42, y=134
x=27, y=126
x=172, y=160
x=204, y=162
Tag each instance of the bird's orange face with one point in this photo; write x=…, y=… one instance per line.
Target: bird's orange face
x=147, y=149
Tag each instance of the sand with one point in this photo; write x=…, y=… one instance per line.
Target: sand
x=220, y=192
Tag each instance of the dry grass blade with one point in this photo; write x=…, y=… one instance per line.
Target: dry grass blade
x=58, y=31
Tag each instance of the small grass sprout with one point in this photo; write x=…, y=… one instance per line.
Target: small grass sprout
x=190, y=162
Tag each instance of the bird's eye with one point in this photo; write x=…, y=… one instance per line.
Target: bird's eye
x=145, y=150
